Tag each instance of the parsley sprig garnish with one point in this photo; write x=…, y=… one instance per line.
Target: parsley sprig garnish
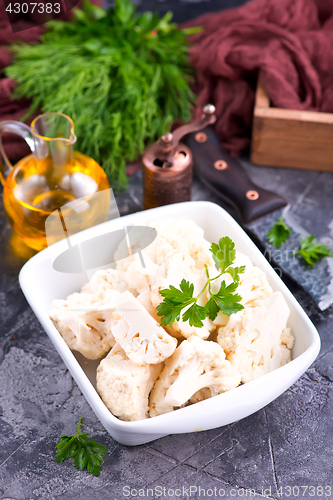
x=85, y=453
x=225, y=299
x=279, y=233
x=312, y=251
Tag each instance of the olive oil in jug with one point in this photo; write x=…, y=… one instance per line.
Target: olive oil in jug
x=49, y=178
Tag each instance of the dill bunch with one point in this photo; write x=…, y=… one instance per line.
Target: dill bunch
x=123, y=78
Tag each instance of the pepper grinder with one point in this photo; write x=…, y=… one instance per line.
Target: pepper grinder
x=168, y=163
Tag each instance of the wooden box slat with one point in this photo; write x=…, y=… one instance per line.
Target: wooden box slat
x=290, y=138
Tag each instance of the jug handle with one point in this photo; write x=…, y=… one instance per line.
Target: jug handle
x=18, y=128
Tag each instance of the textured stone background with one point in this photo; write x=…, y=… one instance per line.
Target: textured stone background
x=288, y=443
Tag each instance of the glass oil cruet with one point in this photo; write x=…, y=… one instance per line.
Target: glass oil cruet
x=50, y=177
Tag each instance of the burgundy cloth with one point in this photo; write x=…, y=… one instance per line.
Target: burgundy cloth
x=289, y=41
x=11, y=109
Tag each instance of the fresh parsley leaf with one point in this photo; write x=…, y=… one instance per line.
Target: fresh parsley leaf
x=279, y=233
x=194, y=315
x=169, y=312
x=186, y=288
x=312, y=251
x=226, y=299
x=86, y=454
x=235, y=272
x=212, y=309
x=179, y=296
x=174, y=301
x=224, y=253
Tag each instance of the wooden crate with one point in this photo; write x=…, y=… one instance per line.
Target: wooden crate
x=290, y=138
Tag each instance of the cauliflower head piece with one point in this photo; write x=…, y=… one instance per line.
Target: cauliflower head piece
x=103, y=280
x=173, y=236
x=253, y=286
x=195, y=365
x=84, y=323
x=138, y=276
x=256, y=340
x=123, y=386
x=179, y=236
x=142, y=338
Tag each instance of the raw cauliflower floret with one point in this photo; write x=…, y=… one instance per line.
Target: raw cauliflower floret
x=255, y=339
x=142, y=338
x=138, y=238
x=108, y=279
x=253, y=286
x=84, y=323
x=123, y=386
x=287, y=338
x=140, y=273
x=179, y=236
x=173, y=236
x=196, y=364
x=144, y=299
x=176, y=268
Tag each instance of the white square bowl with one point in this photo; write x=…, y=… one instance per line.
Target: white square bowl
x=41, y=284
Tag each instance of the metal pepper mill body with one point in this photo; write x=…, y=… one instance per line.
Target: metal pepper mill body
x=167, y=165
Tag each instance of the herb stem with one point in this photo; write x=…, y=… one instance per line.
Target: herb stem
x=202, y=291
x=79, y=427
x=208, y=282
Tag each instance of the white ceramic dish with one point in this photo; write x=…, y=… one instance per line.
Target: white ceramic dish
x=41, y=284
